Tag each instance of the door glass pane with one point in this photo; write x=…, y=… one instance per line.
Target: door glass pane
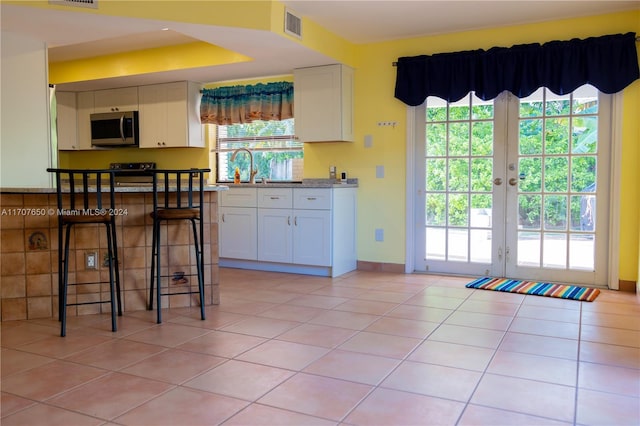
x=458, y=244
x=530, y=211
x=436, y=214
x=554, y=250
x=555, y=212
x=557, y=104
x=482, y=138
x=458, y=208
x=530, y=174
x=556, y=136
x=480, y=245
x=435, y=243
x=530, y=136
x=436, y=143
x=584, y=135
x=459, y=174
x=458, y=139
x=529, y=249
x=556, y=174
x=436, y=177
x=581, y=252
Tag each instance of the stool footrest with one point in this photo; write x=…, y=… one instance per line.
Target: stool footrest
x=96, y=282
x=179, y=292
x=88, y=303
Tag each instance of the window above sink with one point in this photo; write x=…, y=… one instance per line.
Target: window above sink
x=277, y=154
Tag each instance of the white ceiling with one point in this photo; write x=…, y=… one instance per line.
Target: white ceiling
x=71, y=35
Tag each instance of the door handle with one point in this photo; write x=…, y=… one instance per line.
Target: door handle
x=497, y=181
x=513, y=181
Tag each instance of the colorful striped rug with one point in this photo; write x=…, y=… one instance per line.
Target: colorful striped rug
x=535, y=288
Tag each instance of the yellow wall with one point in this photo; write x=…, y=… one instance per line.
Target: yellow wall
x=381, y=202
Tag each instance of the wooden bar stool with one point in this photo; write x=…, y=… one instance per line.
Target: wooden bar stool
x=178, y=195
x=86, y=197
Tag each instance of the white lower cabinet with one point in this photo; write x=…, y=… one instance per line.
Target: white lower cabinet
x=300, y=236
x=238, y=237
x=312, y=237
x=299, y=230
x=237, y=225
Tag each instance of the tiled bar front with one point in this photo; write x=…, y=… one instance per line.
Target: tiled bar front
x=29, y=256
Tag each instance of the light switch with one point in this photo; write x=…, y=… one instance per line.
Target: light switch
x=368, y=141
x=379, y=172
x=379, y=234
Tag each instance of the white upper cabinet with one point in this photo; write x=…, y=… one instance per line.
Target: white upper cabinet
x=170, y=115
x=116, y=100
x=66, y=120
x=323, y=103
x=73, y=122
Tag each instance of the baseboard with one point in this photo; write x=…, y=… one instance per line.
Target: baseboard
x=380, y=267
x=626, y=285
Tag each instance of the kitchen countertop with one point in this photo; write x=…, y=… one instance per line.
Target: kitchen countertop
x=306, y=183
x=119, y=189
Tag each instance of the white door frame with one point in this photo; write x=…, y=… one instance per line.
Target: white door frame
x=614, y=225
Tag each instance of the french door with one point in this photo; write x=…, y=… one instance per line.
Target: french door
x=514, y=187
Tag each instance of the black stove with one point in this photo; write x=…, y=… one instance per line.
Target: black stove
x=133, y=174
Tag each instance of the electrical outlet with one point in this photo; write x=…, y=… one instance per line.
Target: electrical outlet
x=379, y=234
x=91, y=260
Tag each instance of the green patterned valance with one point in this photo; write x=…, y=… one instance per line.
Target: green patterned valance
x=244, y=104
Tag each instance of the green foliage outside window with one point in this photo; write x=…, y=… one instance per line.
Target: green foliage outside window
x=558, y=149
x=271, y=142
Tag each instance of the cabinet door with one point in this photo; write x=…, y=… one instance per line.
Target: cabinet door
x=114, y=100
x=177, y=129
x=312, y=237
x=170, y=116
x=274, y=235
x=153, y=116
x=323, y=103
x=85, y=104
x=66, y=121
x=238, y=233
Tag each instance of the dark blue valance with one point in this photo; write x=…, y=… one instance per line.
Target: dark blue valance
x=610, y=63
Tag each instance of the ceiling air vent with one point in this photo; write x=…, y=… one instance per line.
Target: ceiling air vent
x=93, y=4
x=292, y=24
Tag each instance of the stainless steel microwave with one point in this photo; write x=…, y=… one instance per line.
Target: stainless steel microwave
x=111, y=129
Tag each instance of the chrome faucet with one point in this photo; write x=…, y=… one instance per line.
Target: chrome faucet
x=252, y=171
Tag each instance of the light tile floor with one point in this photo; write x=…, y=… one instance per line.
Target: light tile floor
x=362, y=349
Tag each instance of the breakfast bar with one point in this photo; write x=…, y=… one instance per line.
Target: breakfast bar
x=29, y=248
